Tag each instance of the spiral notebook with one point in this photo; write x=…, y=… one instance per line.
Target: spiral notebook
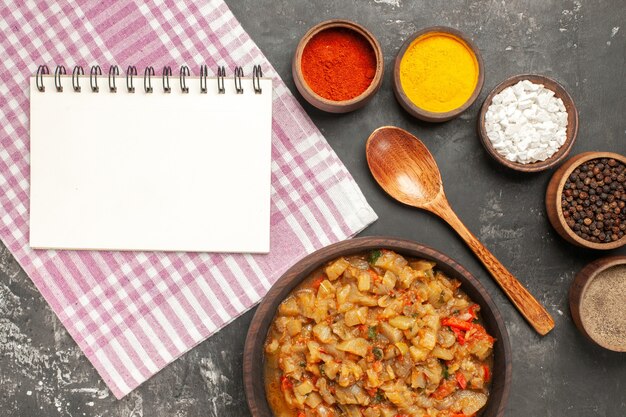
x=150, y=161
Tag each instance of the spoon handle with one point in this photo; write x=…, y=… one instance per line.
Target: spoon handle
x=526, y=304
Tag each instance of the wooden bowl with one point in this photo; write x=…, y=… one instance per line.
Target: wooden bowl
x=418, y=112
x=572, y=124
x=577, y=293
x=553, y=200
x=253, y=356
x=325, y=104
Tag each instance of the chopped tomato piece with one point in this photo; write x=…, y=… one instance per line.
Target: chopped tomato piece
x=285, y=383
x=460, y=337
x=486, y=373
x=373, y=275
x=472, y=311
x=446, y=388
x=454, y=322
x=301, y=414
x=460, y=378
x=480, y=333
x=318, y=281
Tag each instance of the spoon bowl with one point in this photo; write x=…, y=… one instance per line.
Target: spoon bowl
x=420, y=181
x=407, y=171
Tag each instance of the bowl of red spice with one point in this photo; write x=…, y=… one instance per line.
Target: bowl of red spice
x=338, y=66
x=586, y=200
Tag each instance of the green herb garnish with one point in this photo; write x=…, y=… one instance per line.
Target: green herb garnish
x=444, y=372
x=372, y=334
x=322, y=373
x=379, y=397
x=374, y=255
x=378, y=353
x=303, y=364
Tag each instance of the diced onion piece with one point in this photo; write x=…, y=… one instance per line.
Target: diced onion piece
x=342, y=294
x=304, y=388
x=364, y=281
x=326, y=288
x=391, y=261
x=394, y=335
x=469, y=402
x=402, y=322
x=435, y=291
x=331, y=369
x=481, y=348
x=356, y=317
x=323, y=333
x=357, y=297
x=432, y=320
x=358, y=346
x=289, y=307
x=390, y=372
x=418, y=354
x=384, y=301
x=422, y=265
x=427, y=338
x=272, y=347
x=293, y=326
x=445, y=354
x=314, y=351
x=389, y=280
x=407, y=276
x=334, y=270
x=418, y=380
x=372, y=378
x=402, y=347
x=313, y=400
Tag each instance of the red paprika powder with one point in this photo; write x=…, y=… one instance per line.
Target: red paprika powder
x=338, y=64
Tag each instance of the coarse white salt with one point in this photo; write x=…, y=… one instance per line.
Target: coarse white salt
x=526, y=123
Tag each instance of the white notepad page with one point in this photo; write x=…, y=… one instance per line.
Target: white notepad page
x=166, y=172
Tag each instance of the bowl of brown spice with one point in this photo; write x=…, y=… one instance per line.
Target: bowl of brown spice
x=338, y=66
x=596, y=300
x=586, y=200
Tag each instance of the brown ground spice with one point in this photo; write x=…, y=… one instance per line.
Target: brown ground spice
x=602, y=307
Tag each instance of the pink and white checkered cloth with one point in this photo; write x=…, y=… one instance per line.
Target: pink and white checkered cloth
x=132, y=313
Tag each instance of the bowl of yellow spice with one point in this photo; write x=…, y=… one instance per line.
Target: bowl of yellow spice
x=438, y=74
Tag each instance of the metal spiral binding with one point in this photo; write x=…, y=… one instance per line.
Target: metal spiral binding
x=60, y=70
x=184, y=72
x=130, y=71
x=221, y=73
x=113, y=71
x=93, y=78
x=204, y=72
x=167, y=72
x=237, y=78
x=41, y=71
x=257, y=73
x=147, y=79
x=78, y=71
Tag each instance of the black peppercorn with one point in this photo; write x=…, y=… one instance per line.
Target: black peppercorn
x=593, y=200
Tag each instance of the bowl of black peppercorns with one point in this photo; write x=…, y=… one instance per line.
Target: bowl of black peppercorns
x=586, y=200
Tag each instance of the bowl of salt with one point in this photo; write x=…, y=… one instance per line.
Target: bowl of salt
x=528, y=123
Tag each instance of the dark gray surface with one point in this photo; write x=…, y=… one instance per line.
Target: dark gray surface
x=42, y=372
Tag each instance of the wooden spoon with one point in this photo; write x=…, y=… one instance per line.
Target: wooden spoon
x=406, y=170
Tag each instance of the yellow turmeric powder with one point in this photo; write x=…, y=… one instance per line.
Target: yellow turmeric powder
x=438, y=72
